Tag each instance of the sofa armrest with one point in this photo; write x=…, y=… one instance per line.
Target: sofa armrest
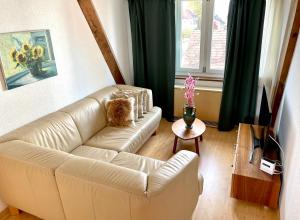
x=26, y=171
x=182, y=167
x=173, y=189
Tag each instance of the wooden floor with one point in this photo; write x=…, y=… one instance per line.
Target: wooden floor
x=216, y=156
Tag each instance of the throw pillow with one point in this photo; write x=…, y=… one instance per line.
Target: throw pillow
x=121, y=94
x=120, y=112
x=139, y=100
x=145, y=101
x=144, y=106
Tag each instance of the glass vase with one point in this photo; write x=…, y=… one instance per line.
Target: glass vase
x=35, y=68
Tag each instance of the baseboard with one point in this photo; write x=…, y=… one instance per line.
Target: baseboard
x=211, y=124
x=4, y=214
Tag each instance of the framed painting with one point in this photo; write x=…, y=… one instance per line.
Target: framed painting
x=26, y=57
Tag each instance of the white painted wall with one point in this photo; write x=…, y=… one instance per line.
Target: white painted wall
x=81, y=67
x=289, y=135
x=114, y=16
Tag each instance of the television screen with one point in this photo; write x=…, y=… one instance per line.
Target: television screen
x=265, y=113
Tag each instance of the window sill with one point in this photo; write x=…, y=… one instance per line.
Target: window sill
x=203, y=77
x=208, y=82
x=202, y=88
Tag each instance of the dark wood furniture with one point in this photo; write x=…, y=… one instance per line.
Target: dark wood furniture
x=180, y=131
x=97, y=29
x=248, y=182
x=287, y=54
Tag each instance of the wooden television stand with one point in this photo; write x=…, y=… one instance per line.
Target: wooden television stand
x=248, y=182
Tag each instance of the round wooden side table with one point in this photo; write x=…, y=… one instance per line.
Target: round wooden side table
x=180, y=131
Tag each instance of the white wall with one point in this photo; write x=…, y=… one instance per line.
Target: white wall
x=289, y=135
x=81, y=67
x=114, y=16
x=80, y=64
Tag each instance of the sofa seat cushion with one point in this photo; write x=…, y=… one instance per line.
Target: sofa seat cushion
x=128, y=139
x=94, y=153
x=137, y=162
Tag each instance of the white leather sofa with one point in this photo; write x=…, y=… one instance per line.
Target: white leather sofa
x=70, y=165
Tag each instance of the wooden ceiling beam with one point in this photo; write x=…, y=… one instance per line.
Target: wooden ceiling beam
x=286, y=64
x=96, y=27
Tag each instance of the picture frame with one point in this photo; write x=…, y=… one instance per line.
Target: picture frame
x=26, y=57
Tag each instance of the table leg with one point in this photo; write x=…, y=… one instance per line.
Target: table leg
x=201, y=137
x=175, y=144
x=197, y=146
x=13, y=211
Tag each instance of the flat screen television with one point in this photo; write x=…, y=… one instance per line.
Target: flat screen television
x=265, y=116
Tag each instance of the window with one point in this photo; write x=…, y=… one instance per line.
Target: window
x=201, y=28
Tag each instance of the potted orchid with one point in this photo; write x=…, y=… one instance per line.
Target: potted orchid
x=189, y=110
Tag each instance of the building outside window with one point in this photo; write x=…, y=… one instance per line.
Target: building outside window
x=201, y=29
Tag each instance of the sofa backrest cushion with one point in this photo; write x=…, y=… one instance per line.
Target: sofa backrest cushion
x=105, y=93
x=88, y=115
x=56, y=131
x=92, y=189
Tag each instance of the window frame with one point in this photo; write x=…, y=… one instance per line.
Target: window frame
x=204, y=69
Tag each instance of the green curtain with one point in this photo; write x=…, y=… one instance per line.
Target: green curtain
x=153, y=46
x=244, y=37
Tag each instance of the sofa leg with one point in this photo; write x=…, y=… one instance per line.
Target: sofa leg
x=13, y=211
x=154, y=133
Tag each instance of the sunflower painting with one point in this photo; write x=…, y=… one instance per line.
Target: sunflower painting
x=26, y=57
